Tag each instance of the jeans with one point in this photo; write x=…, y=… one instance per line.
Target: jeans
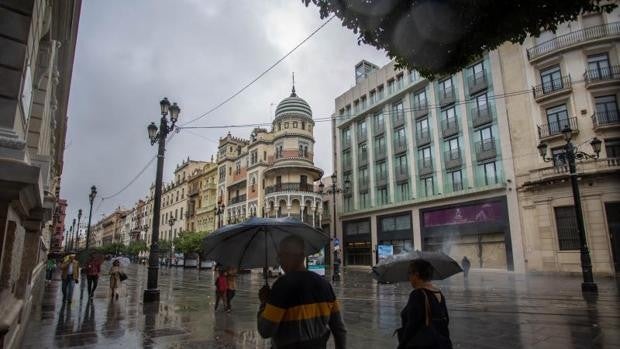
x=67, y=288
x=92, y=283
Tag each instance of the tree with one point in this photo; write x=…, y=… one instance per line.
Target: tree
x=164, y=246
x=189, y=242
x=443, y=37
x=135, y=247
x=113, y=248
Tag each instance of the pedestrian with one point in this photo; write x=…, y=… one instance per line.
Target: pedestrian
x=301, y=309
x=50, y=267
x=231, y=280
x=466, y=264
x=221, y=287
x=115, y=278
x=93, y=268
x=70, y=269
x=425, y=317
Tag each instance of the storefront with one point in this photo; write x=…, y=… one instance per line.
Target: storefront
x=357, y=244
x=394, y=235
x=478, y=229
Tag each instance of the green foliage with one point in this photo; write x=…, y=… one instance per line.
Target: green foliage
x=135, y=247
x=443, y=37
x=114, y=248
x=190, y=242
x=164, y=246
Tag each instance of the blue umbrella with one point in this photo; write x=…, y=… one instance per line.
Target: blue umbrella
x=254, y=243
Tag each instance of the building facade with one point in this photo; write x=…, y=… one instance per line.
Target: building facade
x=202, y=209
x=429, y=165
x=272, y=174
x=59, y=226
x=570, y=78
x=37, y=45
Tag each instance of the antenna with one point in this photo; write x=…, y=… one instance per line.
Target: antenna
x=293, y=90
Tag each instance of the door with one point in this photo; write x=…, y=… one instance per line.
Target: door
x=613, y=223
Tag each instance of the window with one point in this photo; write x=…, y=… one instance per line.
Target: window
x=557, y=119
x=264, y=155
x=381, y=173
x=378, y=122
x=254, y=157
x=413, y=75
x=419, y=100
x=481, y=103
x=477, y=72
x=279, y=126
x=237, y=167
x=303, y=149
x=356, y=108
x=448, y=116
x=399, y=82
x=286, y=125
x=390, y=85
x=348, y=203
x=181, y=212
x=558, y=156
x=379, y=92
x=372, y=97
x=361, y=129
x=427, y=187
x=364, y=200
x=445, y=87
x=566, y=224
x=346, y=159
x=422, y=128
x=346, y=138
x=551, y=79
x=402, y=191
x=400, y=166
x=348, y=110
x=612, y=148
x=363, y=103
x=490, y=173
x=380, y=146
x=400, y=139
x=395, y=223
x=362, y=154
x=383, y=196
x=425, y=158
x=363, y=176
x=456, y=178
x=606, y=109
x=598, y=67
x=295, y=124
x=398, y=113
x=303, y=125
x=485, y=138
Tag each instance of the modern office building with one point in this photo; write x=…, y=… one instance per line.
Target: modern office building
x=430, y=166
x=272, y=174
x=570, y=78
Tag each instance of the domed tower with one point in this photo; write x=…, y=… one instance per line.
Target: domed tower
x=290, y=179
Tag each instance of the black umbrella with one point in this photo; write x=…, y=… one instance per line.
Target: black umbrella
x=254, y=243
x=395, y=268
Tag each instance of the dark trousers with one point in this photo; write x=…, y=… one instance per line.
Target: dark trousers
x=92, y=283
x=49, y=273
x=67, y=288
x=230, y=294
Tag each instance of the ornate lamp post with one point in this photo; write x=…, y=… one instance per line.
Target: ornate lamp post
x=171, y=222
x=151, y=293
x=571, y=153
x=220, y=212
x=335, y=190
x=73, y=233
x=78, y=226
x=91, y=198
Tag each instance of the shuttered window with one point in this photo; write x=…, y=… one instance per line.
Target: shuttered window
x=566, y=223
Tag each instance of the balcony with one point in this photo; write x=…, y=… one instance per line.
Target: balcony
x=363, y=184
x=485, y=150
x=236, y=200
x=481, y=116
x=362, y=160
x=347, y=166
x=595, y=33
x=300, y=187
x=606, y=119
x=380, y=154
x=586, y=167
x=423, y=137
x=400, y=146
x=379, y=128
x=552, y=88
x=602, y=77
x=362, y=136
x=420, y=110
x=452, y=159
x=398, y=119
x=449, y=127
x=446, y=97
x=401, y=175
x=555, y=128
x=477, y=82
x=381, y=181
x=425, y=167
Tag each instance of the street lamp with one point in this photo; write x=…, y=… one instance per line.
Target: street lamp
x=171, y=222
x=151, y=293
x=219, y=212
x=571, y=153
x=91, y=198
x=73, y=235
x=335, y=190
x=78, y=225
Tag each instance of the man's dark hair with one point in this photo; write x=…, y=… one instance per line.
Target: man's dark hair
x=422, y=267
x=292, y=242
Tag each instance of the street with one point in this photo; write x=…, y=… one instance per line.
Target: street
x=492, y=309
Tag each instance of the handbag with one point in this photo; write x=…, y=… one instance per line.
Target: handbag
x=122, y=276
x=428, y=336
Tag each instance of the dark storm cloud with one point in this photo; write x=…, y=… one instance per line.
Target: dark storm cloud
x=132, y=53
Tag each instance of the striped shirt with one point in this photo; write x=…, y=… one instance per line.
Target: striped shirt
x=301, y=311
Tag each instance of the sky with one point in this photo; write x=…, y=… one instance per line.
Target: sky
x=130, y=54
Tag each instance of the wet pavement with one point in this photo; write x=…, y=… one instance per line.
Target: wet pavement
x=489, y=310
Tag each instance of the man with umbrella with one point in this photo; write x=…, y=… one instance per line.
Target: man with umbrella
x=301, y=309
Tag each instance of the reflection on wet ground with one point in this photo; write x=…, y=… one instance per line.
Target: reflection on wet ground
x=489, y=310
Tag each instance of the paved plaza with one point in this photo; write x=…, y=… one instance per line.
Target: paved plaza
x=490, y=310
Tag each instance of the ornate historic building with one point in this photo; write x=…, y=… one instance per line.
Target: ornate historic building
x=272, y=174
x=201, y=208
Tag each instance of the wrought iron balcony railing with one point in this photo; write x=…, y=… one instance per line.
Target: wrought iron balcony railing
x=610, y=117
x=485, y=149
x=600, y=75
x=452, y=159
x=449, y=127
x=574, y=38
x=303, y=187
x=237, y=199
x=481, y=116
x=555, y=127
x=477, y=82
x=556, y=85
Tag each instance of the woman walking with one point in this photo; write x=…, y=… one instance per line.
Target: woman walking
x=115, y=278
x=221, y=286
x=231, y=279
x=425, y=317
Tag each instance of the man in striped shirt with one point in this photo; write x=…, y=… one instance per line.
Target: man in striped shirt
x=301, y=308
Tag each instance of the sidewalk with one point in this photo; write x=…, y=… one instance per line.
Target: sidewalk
x=490, y=310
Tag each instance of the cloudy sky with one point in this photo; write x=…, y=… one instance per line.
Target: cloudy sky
x=132, y=53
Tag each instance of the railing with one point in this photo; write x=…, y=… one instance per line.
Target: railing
x=570, y=39
x=449, y=127
x=609, y=117
x=347, y=165
x=400, y=146
x=236, y=200
x=477, y=82
x=485, y=149
x=452, y=158
x=401, y=174
x=304, y=187
x=380, y=154
x=420, y=110
x=425, y=166
x=379, y=128
x=398, y=118
x=583, y=167
x=446, y=97
x=381, y=180
x=555, y=127
x=362, y=160
x=592, y=76
x=556, y=85
x=481, y=116
x=423, y=137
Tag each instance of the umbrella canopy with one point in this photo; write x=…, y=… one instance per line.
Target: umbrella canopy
x=123, y=261
x=395, y=268
x=254, y=243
